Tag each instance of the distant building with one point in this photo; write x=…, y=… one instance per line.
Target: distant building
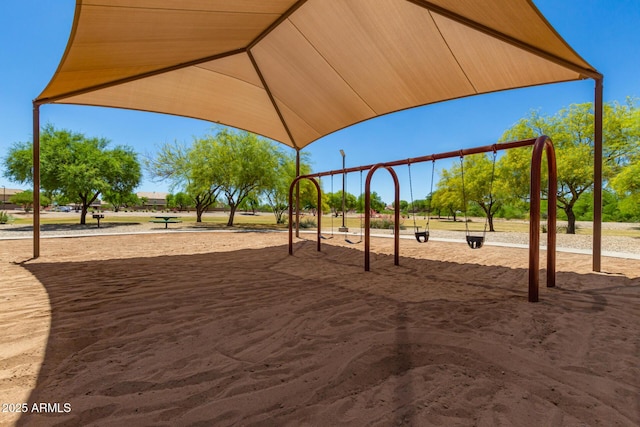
x=153, y=199
x=5, y=195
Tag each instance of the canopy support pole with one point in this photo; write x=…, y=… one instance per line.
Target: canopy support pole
x=36, y=180
x=597, y=175
x=298, y=197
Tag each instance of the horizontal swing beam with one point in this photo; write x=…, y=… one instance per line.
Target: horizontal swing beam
x=432, y=157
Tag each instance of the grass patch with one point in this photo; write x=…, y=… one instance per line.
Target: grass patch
x=267, y=221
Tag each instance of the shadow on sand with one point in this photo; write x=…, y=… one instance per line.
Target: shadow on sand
x=53, y=228
x=256, y=337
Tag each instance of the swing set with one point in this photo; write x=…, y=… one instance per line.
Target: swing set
x=541, y=145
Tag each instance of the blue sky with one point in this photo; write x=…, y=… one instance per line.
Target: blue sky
x=605, y=33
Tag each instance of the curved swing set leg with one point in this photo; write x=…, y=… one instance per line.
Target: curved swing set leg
x=331, y=236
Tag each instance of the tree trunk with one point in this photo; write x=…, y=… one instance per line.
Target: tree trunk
x=232, y=213
x=490, y=217
x=571, y=220
x=86, y=204
x=83, y=214
x=490, y=220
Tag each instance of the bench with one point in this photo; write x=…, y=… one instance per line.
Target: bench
x=166, y=222
x=98, y=217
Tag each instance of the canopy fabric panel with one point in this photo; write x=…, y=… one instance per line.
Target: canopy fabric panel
x=294, y=71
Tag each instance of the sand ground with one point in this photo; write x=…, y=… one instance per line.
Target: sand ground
x=214, y=328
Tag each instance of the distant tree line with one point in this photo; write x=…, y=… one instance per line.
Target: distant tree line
x=237, y=168
x=571, y=130
x=240, y=170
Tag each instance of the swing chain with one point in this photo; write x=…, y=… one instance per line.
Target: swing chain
x=493, y=171
x=464, y=195
x=413, y=210
x=433, y=168
x=332, y=213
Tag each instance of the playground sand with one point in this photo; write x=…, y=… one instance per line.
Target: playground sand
x=228, y=329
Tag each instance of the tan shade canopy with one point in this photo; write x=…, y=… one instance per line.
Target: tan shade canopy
x=294, y=71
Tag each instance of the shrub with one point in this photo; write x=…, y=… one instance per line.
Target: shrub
x=307, y=223
x=560, y=229
x=4, y=217
x=512, y=212
x=383, y=224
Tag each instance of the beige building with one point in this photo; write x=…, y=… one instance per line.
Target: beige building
x=5, y=195
x=153, y=199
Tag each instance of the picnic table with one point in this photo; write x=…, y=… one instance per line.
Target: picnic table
x=166, y=220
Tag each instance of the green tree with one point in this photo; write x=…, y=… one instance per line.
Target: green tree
x=120, y=200
x=74, y=166
x=610, y=207
x=448, y=194
x=376, y=203
x=182, y=166
x=479, y=177
x=250, y=203
x=627, y=187
x=142, y=202
x=240, y=163
x=621, y=135
x=626, y=183
x=124, y=175
x=180, y=201
x=571, y=130
x=25, y=199
x=421, y=205
x=405, y=206
x=350, y=201
x=574, y=151
x=334, y=201
x=277, y=194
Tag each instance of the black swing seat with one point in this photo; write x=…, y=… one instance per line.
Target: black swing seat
x=326, y=238
x=475, y=242
x=422, y=236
